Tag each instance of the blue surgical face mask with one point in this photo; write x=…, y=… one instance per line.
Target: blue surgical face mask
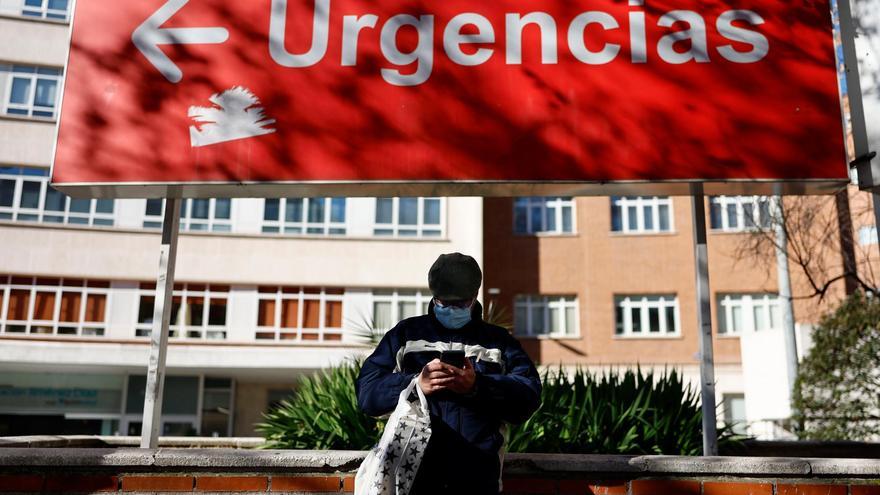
x=452, y=317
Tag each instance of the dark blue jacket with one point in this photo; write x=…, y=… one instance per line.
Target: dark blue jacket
x=467, y=437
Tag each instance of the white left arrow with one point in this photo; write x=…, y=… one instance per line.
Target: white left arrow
x=149, y=35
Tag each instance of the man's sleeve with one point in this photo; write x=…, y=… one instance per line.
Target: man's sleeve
x=515, y=395
x=378, y=386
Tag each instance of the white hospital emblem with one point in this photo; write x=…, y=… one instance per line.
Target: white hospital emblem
x=237, y=114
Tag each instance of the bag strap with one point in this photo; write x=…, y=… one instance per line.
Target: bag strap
x=407, y=392
x=423, y=401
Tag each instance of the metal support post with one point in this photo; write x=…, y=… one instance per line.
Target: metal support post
x=868, y=170
x=875, y=201
x=161, y=320
x=704, y=322
x=788, y=330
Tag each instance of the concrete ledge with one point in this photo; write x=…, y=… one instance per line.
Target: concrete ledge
x=749, y=448
x=295, y=460
x=187, y=442
x=75, y=457
x=853, y=467
x=98, y=441
x=557, y=463
x=50, y=441
x=561, y=465
x=782, y=466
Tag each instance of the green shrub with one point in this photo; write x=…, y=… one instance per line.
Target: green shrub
x=615, y=413
x=322, y=414
x=837, y=393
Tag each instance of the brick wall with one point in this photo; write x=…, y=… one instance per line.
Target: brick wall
x=141, y=471
x=135, y=483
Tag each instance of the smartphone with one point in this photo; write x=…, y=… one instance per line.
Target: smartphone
x=455, y=358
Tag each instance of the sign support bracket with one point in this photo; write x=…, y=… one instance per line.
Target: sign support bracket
x=161, y=321
x=704, y=322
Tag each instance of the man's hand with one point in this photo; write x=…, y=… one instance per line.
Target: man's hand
x=438, y=375
x=435, y=376
x=465, y=378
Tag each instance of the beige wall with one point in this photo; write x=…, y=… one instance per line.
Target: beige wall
x=229, y=258
x=34, y=43
x=251, y=400
x=25, y=142
x=27, y=42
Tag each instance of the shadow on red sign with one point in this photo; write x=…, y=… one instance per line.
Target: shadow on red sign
x=227, y=97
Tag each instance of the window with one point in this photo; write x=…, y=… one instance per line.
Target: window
x=321, y=216
x=43, y=9
x=735, y=412
x=550, y=215
x=738, y=313
x=25, y=196
x=646, y=316
x=299, y=313
x=867, y=235
x=198, y=311
x=196, y=215
x=180, y=407
x=391, y=306
x=641, y=214
x=53, y=306
x=552, y=316
x=274, y=396
x=409, y=217
x=217, y=407
x=739, y=213
x=30, y=91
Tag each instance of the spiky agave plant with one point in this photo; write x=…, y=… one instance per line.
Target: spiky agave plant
x=363, y=331
x=322, y=414
x=498, y=315
x=615, y=413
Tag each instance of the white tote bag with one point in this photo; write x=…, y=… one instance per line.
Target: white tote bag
x=391, y=467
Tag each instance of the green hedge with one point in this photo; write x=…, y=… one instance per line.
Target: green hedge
x=629, y=412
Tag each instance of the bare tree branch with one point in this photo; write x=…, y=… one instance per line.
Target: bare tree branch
x=814, y=246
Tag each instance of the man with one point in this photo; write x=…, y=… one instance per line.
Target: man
x=497, y=383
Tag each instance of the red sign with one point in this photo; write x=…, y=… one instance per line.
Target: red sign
x=223, y=92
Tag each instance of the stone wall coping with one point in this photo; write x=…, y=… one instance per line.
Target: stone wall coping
x=315, y=461
x=98, y=441
x=749, y=448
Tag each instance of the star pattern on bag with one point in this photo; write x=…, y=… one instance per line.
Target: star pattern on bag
x=392, y=465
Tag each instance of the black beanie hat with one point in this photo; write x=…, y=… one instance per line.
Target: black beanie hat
x=454, y=276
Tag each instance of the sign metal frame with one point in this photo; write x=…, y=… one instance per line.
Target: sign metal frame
x=448, y=188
